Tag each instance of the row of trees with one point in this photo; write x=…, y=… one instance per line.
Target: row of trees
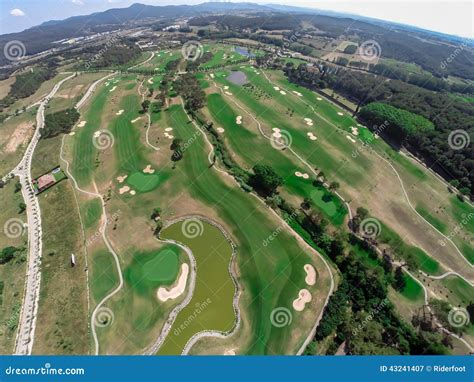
x=60, y=122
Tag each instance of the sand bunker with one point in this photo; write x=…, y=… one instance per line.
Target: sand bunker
x=319, y=98
x=354, y=130
x=169, y=136
x=276, y=88
x=148, y=169
x=72, y=133
x=212, y=75
x=113, y=89
x=226, y=87
x=312, y=136
x=303, y=298
x=282, y=92
x=308, y=121
x=220, y=130
x=122, y=178
x=136, y=119
x=297, y=93
x=81, y=124
x=132, y=192
x=120, y=112
x=123, y=190
x=97, y=134
x=169, y=129
x=176, y=290
x=229, y=352
x=150, y=81
x=310, y=278
x=351, y=139
x=238, y=120
x=339, y=113
x=302, y=175
x=228, y=93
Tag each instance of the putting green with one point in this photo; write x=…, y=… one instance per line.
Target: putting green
x=149, y=270
x=143, y=182
x=211, y=305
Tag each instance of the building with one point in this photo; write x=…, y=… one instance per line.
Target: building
x=45, y=181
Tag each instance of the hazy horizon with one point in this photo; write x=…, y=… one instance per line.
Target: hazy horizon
x=17, y=15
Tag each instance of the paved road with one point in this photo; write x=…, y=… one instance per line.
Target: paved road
x=29, y=310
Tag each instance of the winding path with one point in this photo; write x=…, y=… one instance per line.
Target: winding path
x=29, y=309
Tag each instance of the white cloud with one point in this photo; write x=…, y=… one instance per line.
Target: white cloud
x=17, y=12
x=78, y=2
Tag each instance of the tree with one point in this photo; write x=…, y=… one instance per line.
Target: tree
x=21, y=207
x=145, y=106
x=156, y=213
x=399, y=281
x=7, y=254
x=334, y=186
x=265, y=180
x=17, y=187
x=306, y=204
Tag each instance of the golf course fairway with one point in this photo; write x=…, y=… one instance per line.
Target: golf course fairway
x=211, y=306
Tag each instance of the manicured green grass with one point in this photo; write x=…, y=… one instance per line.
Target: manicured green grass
x=462, y=292
x=407, y=252
x=412, y=291
x=438, y=224
x=103, y=275
x=143, y=182
x=91, y=212
x=150, y=270
x=214, y=290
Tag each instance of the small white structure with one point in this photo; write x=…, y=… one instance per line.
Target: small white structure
x=73, y=260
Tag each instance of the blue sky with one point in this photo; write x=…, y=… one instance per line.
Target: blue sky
x=453, y=17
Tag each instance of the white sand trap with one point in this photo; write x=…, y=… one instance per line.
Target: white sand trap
x=107, y=84
x=276, y=129
x=310, y=278
x=212, y=75
x=122, y=178
x=355, y=130
x=319, y=98
x=136, y=119
x=351, y=139
x=220, y=130
x=113, y=89
x=297, y=93
x=228, y=93
x=150, y=81
x=169, y=129
x=308, y=120
x=276, y=88
x=226, y=87
x=282, y=92
x=238, y=120
x=123, y=190
x=303, y=298
x=81, y=124
x=257, y=72
x=72, y=133
x=97, y=134
x=305, y=176
x=132, y=192
x=339, y=113
x=312, y=136
x=229, y=352
x=177, y=289
x=120, y=112
x=170, y=136
x=302, y=175
x=148, y=169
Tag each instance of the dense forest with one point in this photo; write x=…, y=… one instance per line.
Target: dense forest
x=59, y=123
x=110, y=56
x=447, y=112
